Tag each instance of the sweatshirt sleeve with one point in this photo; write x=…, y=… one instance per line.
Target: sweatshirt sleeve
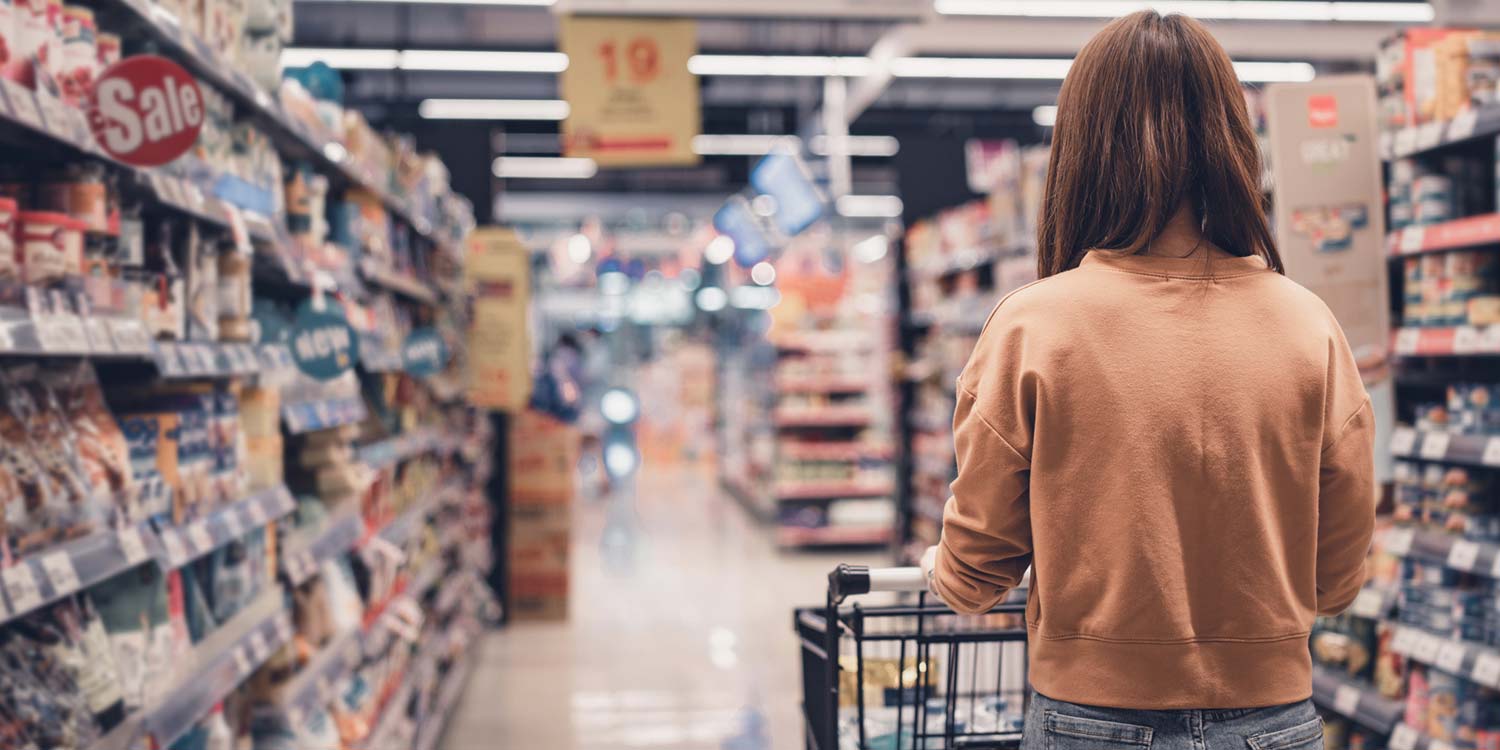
x=1346, y=510
x=986, y=543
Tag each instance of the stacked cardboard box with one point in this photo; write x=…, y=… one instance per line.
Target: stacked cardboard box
x=543, y=461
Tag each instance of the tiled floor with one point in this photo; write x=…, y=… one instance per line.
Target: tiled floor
x=680, y=635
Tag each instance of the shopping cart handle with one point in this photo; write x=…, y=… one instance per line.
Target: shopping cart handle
x=852, y=580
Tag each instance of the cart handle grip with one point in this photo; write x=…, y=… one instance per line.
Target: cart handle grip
x=852, y=580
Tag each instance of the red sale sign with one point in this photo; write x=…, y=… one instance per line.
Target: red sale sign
x=145, y=110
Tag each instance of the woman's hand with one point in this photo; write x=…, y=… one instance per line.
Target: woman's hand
x=929, y=570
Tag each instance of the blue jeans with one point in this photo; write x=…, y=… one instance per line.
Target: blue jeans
x=1058, y=725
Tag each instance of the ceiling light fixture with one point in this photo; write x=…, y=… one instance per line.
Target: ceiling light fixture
x=744, y=144
x=544, y=168
x=778, y=65
x=1045, y=115
x=859, y=145
x=484, y=61
x=1243, y=10
x=493, y=109
x=869, y=206
x=343, y=59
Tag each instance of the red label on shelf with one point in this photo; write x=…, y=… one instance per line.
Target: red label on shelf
x=145, y=110
x=1322, y=111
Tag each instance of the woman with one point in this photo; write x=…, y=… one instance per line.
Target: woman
x=1170, y=433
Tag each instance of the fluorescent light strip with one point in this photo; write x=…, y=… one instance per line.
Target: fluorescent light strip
x=869, y=206
x=1045, y=115
x=778, y=65
x=484, y=61
x=980, y=67
x=1244, y=10
x=1275, y=72
x=743, y=145
x=544, y=168
x=342, y=59
x=493, y=109
x=859, y=145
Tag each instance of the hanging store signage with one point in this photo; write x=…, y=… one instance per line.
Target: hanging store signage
x=323, y=343
x=145, y=110
x=1330, y=221
x=631, y=100
x=424, y=354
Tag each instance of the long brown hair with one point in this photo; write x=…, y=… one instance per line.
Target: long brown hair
x=1151, y=116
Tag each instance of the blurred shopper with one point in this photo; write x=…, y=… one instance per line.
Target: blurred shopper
x=1173, y=435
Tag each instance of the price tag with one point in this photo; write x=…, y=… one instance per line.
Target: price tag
x=232, y=522
x=1487, y=669
x=1404, y=640
x=1403, y=440
x=1408, y=340
x=259, y=650
x=1467, y=340
x=23, y=106
x=1398, y=541
x=1370, y=603
x=172, y=543
x=242, y=663
x=132, y=546
x=1435, y=445
x=256, y=512
x=1427, y=648
x=1430, y=134
x=200, y=537
x=62, y=574
x=1450, y=657
x=1491, y=455
x=19, y=583
x=1403, y=737
x=1405, y=142
x=1386, y=144
x=1462, y=124
x=1412, y=239
x=98, y=335
x=167, y=360
x=1346, y=700
x=1463, y=555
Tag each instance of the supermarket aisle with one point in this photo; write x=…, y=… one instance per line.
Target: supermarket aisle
x=680, y=635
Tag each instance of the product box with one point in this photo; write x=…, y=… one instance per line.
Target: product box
x=543, y=456
x=536, y=597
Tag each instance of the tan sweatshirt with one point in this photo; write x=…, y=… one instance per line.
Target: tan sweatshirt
x=1184, y=455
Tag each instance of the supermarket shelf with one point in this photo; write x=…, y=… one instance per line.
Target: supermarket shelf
x=1356, y=700
x=292, y=138
x=1470, y=450
x=176, y=360
x=400, y=283
x=841, y=451
x=96, y=336
x=1446, y=341
x=313, y=687
x=391, y=711
x=823, y=385
x=431, y=728
x=1465, y=659
x=400, y=528
x=339, y=535
x=1472, y=123
x=322, y=414
x=1472, y=231
x=402, y=447
x=1456, y=553
x=829, y=416
x=218, y=665
x=831, y=490
x=43, y=577
x=181, y=545
x=956, y=262
x=745, y=494
x=1404, y=737
x=832, y=536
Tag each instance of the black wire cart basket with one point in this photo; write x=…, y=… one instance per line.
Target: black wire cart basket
x=909, y=676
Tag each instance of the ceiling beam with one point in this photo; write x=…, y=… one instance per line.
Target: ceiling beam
x=862, y=10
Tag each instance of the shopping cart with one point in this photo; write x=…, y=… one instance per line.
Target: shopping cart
x=912, y=676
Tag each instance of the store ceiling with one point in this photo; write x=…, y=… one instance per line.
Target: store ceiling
x=904, y=107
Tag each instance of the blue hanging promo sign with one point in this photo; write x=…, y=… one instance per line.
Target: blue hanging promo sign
x=424, y=354
x=323, y=343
